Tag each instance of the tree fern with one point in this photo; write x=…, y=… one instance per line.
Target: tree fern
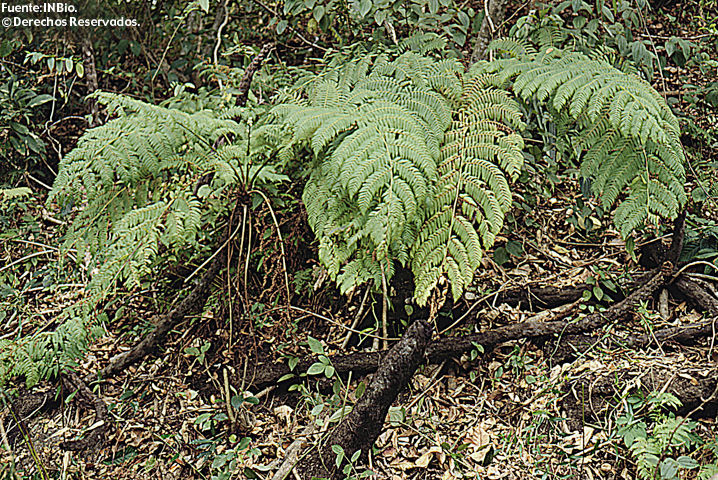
x=136, y=175
x=412, y=164
x=412, y=160
x=412, y=157
x=133, y=182
x=624, y=133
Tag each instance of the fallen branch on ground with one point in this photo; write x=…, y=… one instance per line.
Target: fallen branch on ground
x=96, y=437
x=366, y=362
x=539, y=298
x=362, y=426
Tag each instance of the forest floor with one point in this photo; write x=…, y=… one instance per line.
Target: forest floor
x=521, y=413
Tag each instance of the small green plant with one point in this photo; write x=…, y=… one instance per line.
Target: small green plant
x=349, y=469
x=323, y=364
x=476, y=351
x=333, y=408
x=225, y=465
x=600, y=280
x=230, y=453
x=323, y=409
x=19, y=104
x=660, y=442
x=647, y=317
x=198, y=352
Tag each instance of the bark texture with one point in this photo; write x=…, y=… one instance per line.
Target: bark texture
x=439, y=350
x=360, y=429
x=495, y=11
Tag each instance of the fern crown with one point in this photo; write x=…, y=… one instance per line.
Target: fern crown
x=414, y=156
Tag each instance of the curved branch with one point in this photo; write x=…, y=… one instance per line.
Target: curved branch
x=439, y=350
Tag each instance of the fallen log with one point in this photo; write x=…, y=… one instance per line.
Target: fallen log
x=361, y=427
x=439, y=350
x=570, y=347
x=697, y=295
x=599, y=390
x=544, y=298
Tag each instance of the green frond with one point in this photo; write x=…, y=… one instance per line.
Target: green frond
x=409, y=144
x=411, y=149
x=628, y=133
x=135, y=179
x=512, y=47
x=423, y=43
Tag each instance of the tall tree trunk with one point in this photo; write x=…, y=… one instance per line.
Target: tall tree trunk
x=88, y=57
x=495, y=11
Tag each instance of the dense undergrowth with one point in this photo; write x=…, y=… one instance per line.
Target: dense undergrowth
x=375, y=176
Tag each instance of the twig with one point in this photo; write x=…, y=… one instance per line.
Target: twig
x=357, y=319
x=227, y=397
x=655, y=51
x=26, y=257
x=694, y=37
x=167, y=47
x=211, y=257
x=219, y=38
x=292, y=29
x=339, y=324
x=432, y=382
x=693, y=264
x=291, y=454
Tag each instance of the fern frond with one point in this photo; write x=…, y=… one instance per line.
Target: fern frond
x=629, y=135
x=414, y=149
x=480, y=150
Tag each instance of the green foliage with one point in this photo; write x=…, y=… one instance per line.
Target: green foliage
x=349, y=470
x=8, y=194
x=57, y=65
x=225, y=465
x=228, y=454
x=135, y=177
x=659, y=448
x=480, y=149
x=31, y=357
x=589, y=27
x=133, y=180
x=385, y=20
x=413, y=157
x=413, y=161
x=42, y=355
x=618, y=126
x=19, y=105
x=446, y=16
